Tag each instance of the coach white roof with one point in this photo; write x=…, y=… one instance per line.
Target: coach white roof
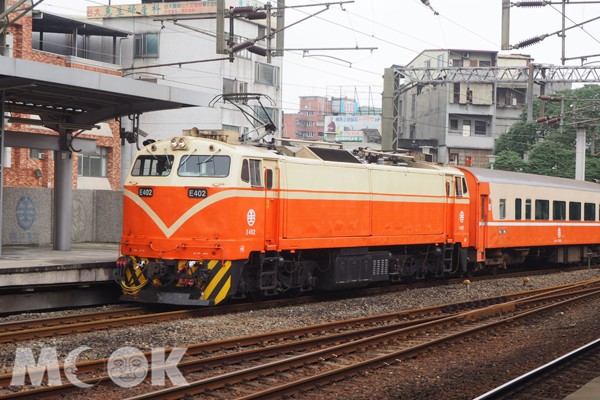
x=518, y=178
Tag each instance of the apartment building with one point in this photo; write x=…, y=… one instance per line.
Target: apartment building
x=462, y=118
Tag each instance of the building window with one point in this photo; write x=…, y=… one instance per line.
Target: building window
x=454, y=124
x=146, y=45
x=271, y=112
x=37, y=154
x=440, y=61
x=94, y=164
x=413, y=131
x=267, y=74
x=485, y=64
x=234, y=86
x=456, y=92
x=480, y=127
x=457, y=62
x=428, y=64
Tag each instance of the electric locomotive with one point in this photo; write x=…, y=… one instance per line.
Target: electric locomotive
x=206, y=221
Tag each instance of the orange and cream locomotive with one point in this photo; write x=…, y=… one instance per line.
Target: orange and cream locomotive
x=206, y=221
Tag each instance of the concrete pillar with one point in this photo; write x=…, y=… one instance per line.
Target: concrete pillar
x=63, y=197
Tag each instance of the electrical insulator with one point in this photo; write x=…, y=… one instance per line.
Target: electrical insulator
x=531, y=3
x=242, y=10
x=241, y=46
x=426, y=2
x=258, y=50
x=553, y=121
x=541, y=119
x=530, y=42
x=256, y=15
x=549, y=98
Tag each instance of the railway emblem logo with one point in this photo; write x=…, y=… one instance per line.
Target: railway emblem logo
x=461, y=216
x=251, y=217
x=25, y=212
x=559, y=232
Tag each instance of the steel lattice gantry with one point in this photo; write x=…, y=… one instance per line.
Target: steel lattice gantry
x=67, y=99
x=398, y=80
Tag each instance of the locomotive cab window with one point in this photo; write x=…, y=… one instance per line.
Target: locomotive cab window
x=204, y=165
x=589, y=212
x=152, y=165
x=458, y=187
x=574, y=211
x=251, y=172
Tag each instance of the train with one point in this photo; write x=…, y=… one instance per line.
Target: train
x=207, y=221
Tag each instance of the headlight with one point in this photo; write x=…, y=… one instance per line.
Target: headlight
x=179, y=143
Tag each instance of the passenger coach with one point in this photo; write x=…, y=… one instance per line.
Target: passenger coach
x=516, y=215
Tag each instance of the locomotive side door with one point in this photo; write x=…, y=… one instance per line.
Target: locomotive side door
x=271, y=175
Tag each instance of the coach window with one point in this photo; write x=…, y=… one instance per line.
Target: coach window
x=527, y=208
x=589, y=212
x=518, y=209
x=559, y=210
x=502, y=205
x=542, y=209
x=574, y=211
x=251, y=172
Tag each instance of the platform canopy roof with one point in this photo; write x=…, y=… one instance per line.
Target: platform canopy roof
x=46, y=22
x=72, y=98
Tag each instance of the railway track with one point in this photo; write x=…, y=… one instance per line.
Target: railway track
x=87, y=322
x=554, y=380
x=322, y=347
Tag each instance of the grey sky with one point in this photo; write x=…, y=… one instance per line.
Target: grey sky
x=401, y=29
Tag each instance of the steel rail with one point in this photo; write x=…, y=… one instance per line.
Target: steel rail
x=220, y=381
x=493, y=304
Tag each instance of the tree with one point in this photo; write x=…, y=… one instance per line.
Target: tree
x=509, y=160
x=550, y=149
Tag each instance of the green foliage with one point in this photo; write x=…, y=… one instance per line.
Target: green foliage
x=509, y=160
x=551, y=150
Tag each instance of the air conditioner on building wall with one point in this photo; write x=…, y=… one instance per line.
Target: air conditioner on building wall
x=466, y=55
x=41, y=156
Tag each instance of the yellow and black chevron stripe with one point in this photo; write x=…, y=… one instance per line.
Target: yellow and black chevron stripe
x=133, y=279
x=219, y=282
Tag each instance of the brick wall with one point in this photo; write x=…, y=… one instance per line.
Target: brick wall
x=22, y=171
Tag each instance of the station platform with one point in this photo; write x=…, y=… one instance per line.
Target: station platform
x=38, y=277
x=590, y=391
